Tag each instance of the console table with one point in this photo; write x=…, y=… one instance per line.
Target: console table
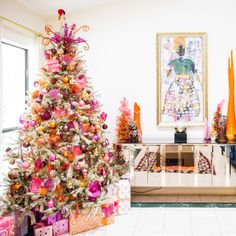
x=161, y=162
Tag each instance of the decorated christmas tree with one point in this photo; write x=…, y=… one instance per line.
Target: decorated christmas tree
x=122, y=125
x=61, y=159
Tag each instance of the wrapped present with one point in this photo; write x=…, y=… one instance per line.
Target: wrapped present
x=108, y=211
x=84, y=220
x=41, y=230
x=7, y=226
x=120, y=195
x=60, y=227
x=21, y=229
x=53, y=218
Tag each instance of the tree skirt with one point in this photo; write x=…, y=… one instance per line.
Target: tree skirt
x=204, y=165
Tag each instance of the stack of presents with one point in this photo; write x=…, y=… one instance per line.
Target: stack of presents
x=78, y=221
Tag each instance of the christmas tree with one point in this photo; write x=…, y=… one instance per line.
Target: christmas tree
x=122, y=130
x=61, y=159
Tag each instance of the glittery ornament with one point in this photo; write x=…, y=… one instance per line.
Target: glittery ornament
x=94, y=102
x=81, y=103
x=95, y=137
x=52, y=157
x=25, y=165
x=15, y=186
x=50, y=204
x=70, y=125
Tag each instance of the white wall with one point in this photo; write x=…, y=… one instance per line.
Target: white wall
x=122, y=56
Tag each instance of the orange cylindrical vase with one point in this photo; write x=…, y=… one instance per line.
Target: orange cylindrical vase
x=230, y=124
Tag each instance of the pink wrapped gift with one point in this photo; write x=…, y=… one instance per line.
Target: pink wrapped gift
x=53, y=218
x=108, y=211
x=53, y=66
x=20, y=229
x=60, y=227
x=7, y=226
x=41, y=230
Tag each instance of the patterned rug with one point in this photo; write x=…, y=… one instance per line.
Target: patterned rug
x=204, y=165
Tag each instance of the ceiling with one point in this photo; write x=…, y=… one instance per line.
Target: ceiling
x=48, y=8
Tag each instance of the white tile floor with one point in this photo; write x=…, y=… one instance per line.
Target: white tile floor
x=171, y=222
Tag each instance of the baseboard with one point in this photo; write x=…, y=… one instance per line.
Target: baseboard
x=183, y=190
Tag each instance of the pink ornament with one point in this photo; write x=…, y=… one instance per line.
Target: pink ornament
x=83, y=147
x=50, y=204
x=95, y=138
x=77, y=151
x=53, y=66
x=44, y=91
x=106, y=158
x=65, y=128
x=58, y=112
x=32, y=123
x=74, y=104
x=81, y=103
x=94, y=102
x=26, y=125
x=92, y=129
x=54, y=93
x=52, y=157
x=25, y=165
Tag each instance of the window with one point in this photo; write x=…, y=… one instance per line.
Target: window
x=15, y=84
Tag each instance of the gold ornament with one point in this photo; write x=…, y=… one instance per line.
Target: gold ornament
x=40, y=129
x=52, y=124
x=44, y=85
x=15, y=186
x=82, y=184
x=65, y=79
x=96, y=153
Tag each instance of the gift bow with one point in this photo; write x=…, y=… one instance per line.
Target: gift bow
x=108, y=211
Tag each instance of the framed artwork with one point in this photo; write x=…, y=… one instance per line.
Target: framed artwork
x=181, y=79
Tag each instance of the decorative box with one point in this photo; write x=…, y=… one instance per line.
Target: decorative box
x=7, y=226
x=21, y=229
x=53, y=66
x=60, y=227
x=108, y=216
x=41, y=230
x=84, y=220
x=120, y=195
x=53, y=218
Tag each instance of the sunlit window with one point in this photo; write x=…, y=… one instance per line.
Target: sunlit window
x=15, y=83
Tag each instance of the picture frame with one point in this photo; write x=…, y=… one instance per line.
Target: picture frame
x=181, y=79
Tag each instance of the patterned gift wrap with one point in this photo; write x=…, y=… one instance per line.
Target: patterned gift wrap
x=84, y=220
x=41, y=230
x=60, y=227
x=108, y=216
x=20, y=229
x=7, y=226
x=53, y=218
x=120, y=195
